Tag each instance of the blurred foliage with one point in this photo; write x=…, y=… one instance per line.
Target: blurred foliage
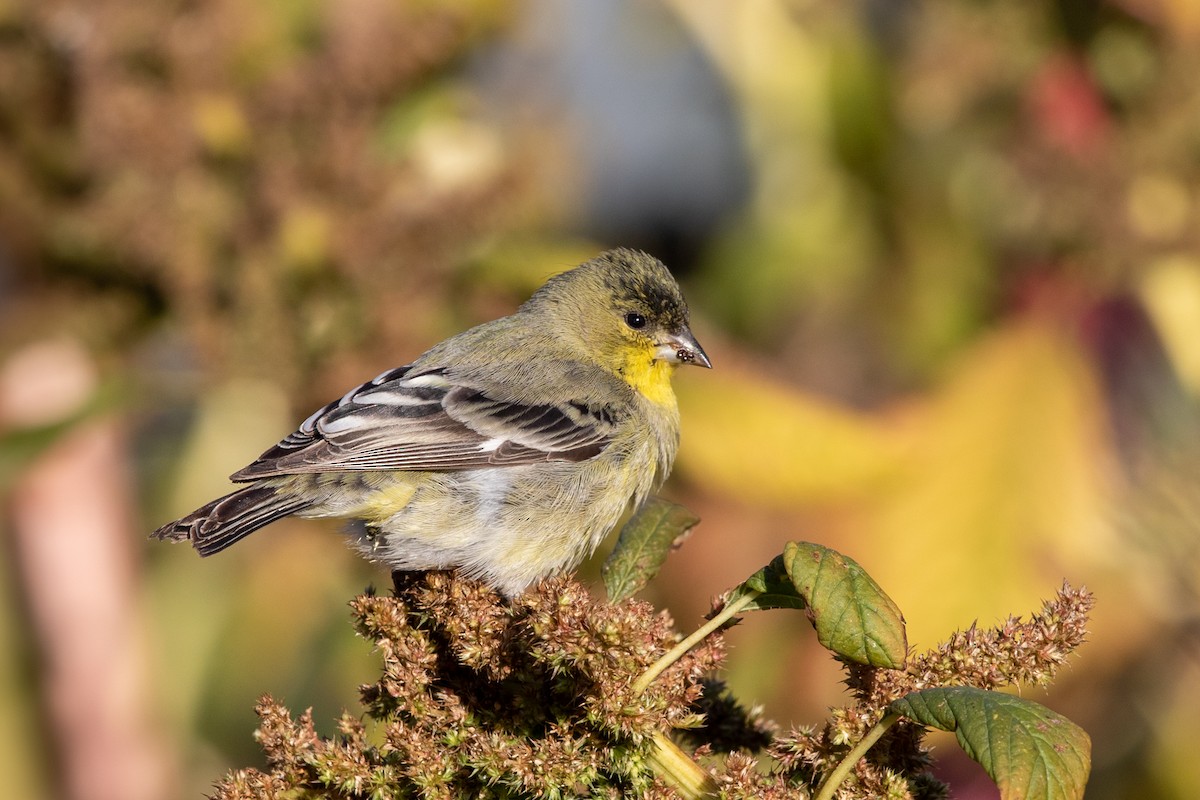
x=956, y=326
x=926, y=178
x=258, y=172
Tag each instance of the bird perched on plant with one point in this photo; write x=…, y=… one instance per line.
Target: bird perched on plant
x=508, y=451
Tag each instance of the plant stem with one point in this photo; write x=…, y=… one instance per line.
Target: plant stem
x=668, y=761
x=679, y=771
x=835, y=778
x=676, y=652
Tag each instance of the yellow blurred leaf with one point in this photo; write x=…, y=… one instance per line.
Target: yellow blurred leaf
x=994, y=480
x=1171, y=292
x=765, y=443
x=1004, y=489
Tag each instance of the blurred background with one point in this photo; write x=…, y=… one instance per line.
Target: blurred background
x=945, y=256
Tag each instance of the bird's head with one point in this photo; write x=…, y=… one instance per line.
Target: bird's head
x=627, y=313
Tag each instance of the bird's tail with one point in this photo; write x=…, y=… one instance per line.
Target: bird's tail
x=216, y=525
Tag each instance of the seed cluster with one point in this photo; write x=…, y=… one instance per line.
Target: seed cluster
x=480, y=697
x=1014, y=653
x=532, y=698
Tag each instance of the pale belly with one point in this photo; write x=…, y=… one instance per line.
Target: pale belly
x=509, y=527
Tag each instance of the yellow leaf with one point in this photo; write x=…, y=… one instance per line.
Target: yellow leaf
x=1171, y=292
x=765, y=443
x=1004, y=483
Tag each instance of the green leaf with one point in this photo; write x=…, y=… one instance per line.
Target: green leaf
x=643, y=545
x=1029, y=751
x=772, y=588
x=852, y=615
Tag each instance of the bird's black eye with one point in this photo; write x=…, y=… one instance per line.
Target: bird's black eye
x=635, y=320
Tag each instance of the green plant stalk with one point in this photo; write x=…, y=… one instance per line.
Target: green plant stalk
x=679, y=771
x=670, y=763
x=835, y=778
x=677, y=652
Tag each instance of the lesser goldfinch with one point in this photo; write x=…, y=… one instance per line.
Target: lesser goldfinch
x=508, y=451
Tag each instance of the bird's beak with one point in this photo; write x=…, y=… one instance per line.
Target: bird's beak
x=682, y=348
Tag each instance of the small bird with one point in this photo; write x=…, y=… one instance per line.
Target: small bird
x=508, y=451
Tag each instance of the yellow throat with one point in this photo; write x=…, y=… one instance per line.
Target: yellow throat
x=650, y=376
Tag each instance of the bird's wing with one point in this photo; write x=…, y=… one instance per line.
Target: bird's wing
x=426, y=421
